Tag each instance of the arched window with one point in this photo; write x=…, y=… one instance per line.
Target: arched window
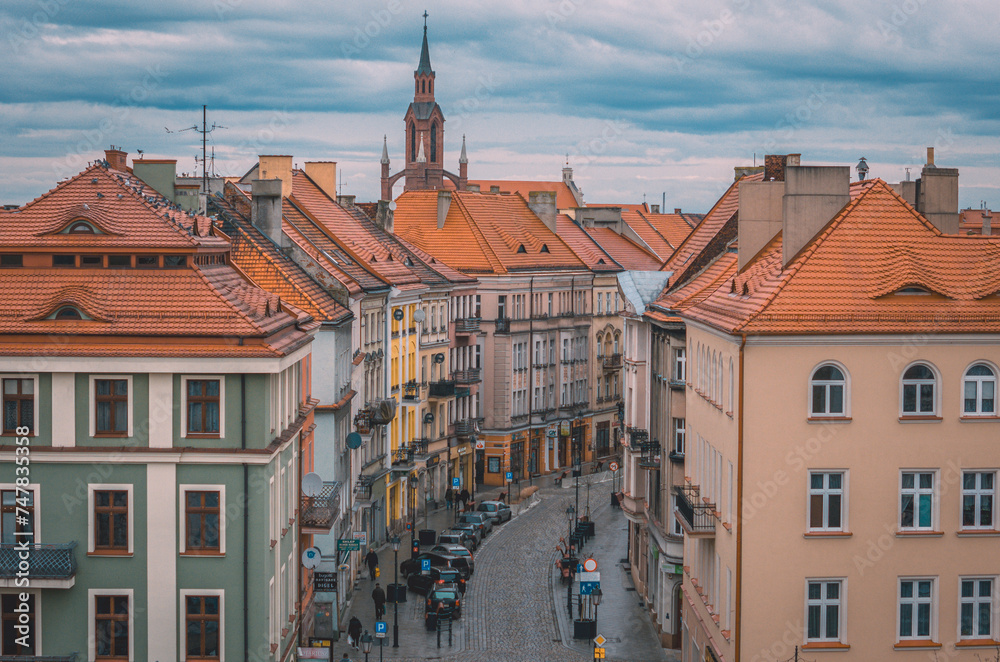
x=919, y=391
x=618, y=337
x=732, y=387
x=828, y=388
x=67, y=313
x=434, y=142
x=712, y=379
x=423, y=86
x=722, y=384
x=600, y=345
x=979, y=391
x=413, y=142
x=81, y=227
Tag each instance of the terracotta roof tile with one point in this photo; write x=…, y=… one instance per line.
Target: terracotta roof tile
x=564, y=196
x=595, y=256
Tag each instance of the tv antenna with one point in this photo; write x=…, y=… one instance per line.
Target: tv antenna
x=204, y=131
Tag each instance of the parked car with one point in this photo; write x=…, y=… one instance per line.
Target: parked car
x=410, y=566
x=449, y=596
x=473, y=530
x=498, y=510
x=456, y=550
x=452, y=537
x=423, y=582
x=478, y=518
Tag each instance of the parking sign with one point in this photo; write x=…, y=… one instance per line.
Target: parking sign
x=425, y=564
x=510, y=476
x=455, y=482
x=381, y=628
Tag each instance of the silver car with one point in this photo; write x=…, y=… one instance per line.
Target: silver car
x=479, y=519
x=498, y=510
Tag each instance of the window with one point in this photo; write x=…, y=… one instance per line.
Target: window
x=174, y=261
x=202, y=520
x=918, y=391
x=14, y=642
x=600, y=304
x=979, y=391
x=91, y=261
x=146, y=261
x=916, y=506
x=11, y=260
x=828, y=388
x=680, y=436
x=680, y=364
x=14, y=503
x=111, y=520
x=494, y=464
x=202, y=627
x=826, y=501
x=434, y=142
x=119, y=260
x=823, y=610
x=81, y=227
x=978, y=490
x=677, y=529
x=916, y=601
x=112, y=627
x=18, y=405
x=203, y=409
x=501, y=306
x=63, y=260
x=111, y=407
x=977, y=615
x=67, y=313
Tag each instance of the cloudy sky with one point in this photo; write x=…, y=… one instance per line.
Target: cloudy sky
x=648, y=99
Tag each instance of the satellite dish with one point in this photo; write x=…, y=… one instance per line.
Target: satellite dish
x=312, y=484
x=392, y=205
x=354, y=440
x=311, y=558
x=419, y=315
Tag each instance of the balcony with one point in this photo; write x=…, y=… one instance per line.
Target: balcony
x=49, y=566
x=612, y=362
x=39, y=658
x=463, y=391
x=465, y=428
x=697, y=517
x=502, y=325
x=470, y=376
x=444, y=388
x=363, y=420
x=677, y=383
x=467, y=326
x=318, y=513
x=411, y=394
x=649, y=453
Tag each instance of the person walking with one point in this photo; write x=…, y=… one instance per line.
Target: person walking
x=345, y=658
x=449, y=497
x=463, y=496
x=371, y=558
x=378, y=596
x=354, y=632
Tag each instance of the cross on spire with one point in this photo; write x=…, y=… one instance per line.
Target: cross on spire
x=425, y=20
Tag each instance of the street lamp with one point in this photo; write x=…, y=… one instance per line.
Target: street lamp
x=570, y=516
x=395, y=592
x=366, y=644
x=595, y=597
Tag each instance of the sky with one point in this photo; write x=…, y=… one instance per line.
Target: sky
x=654, y=101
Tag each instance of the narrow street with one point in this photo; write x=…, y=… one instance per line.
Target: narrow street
x=515, y=607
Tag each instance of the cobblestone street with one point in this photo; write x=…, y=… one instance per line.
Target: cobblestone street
x=515, y=607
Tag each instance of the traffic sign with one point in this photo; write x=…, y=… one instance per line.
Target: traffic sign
x=381, y=629
x=590, y=565
x=425, y=565
x=348, y=545
x=589, y=576
x=455, y=482
x=600, y=640
x=598, y=653
x=586, y=588
x=613, y=466
x=510, y=476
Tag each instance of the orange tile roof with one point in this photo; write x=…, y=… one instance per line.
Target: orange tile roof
x=564, y=196
x=585, y=246
x=482, y=234
x=675, y=228
x=630, y=255
x=970, y=221
x=848, y=278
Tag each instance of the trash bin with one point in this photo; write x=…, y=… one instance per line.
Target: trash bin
x=584, y=628
x=395, y=593
x=431, y=620
x=427, y=537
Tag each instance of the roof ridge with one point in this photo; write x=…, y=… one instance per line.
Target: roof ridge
x=244, y=279
x=484, y=245
x=595, y=242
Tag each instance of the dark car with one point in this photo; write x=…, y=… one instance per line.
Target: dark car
x=474, y=531
x=498, y=510
x=463, y=538
x=423, y=582
x=448, y=595
x=482, y=520
x=456, y=550
x=410, y=566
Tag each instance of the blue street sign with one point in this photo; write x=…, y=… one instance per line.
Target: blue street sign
x=425, y=565
x=455, y=482
x=510, y=476
x=586, y=588
x=381, y=626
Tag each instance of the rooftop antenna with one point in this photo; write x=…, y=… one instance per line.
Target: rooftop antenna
x=204, y=131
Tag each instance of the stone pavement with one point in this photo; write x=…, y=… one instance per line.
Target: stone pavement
x=513, y=609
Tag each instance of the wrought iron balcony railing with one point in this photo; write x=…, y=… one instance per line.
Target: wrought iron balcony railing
x=463, y=391
x=696, y=516
x=44, y=561
x=444, y=388
x=502, y=325
x=321, y=511
x=411, y=392
x=467, y=326
x=469, y=376
x=612, y=362
x=465, y=428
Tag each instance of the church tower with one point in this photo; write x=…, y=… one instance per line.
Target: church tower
x=424, y=126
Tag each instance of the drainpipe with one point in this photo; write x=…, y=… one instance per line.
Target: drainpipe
x=246, y=516
x=739, y=505
x=531, y=366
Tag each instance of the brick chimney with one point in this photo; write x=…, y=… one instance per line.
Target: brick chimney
x=937, y=195
x=277, y=167
x=324, y=175
x=266, y=211
x=543, y=203
x=443, y=205
x=116, y=158
x=346, y=201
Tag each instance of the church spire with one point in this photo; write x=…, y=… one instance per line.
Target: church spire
x=425, y=55
x=464, y=157
x=385, y=151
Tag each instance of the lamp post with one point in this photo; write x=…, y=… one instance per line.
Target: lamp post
x=595, y=597
x=570, y=516
x=395, y=592
x=366, y=644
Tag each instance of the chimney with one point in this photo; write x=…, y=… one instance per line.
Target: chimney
x=277, y=167
x=543, y=203
x=324, y=175
x=677, y=210
x=987, y=222
x=383, y=215
x=444, y=204
x=759, y=217
x=116, y=158
x=266, y=211
x=937, y=195
x=774, y=167
x=907, y=191
x=654, y=209
x=346, y=200
x=813, y=196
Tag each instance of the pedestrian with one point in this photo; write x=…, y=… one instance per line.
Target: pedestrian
x=345, y=658
x=502, y=498
x=463, y=496
x=449, y=497
x=378, y=595
x=354, y=632
x=372, y=560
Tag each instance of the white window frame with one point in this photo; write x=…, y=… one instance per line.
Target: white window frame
x=680, y=435
x=92, y=414
x=992, y=601
x=291, y=490
x=92, y=618
x=272, y=510
x=823, y=603
x=36, y=490
x=222, y=404
x=978, y=493
x=183, y=489
x=845, y=383
x=677, y=529
x=272, y=618
x=978, y=381
x=915, y=601
x=918, y=382
x=34, y=378
x=917, y=492
x=95, y=487
x=826, y=492
x=182, y=627
x=680, y=364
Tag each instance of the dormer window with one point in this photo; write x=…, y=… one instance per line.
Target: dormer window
x=68, y=313
x=521, y=249
x=174, y=261
x=81, y=227
x=545, y=248
x=63, y=260
x=912, y=289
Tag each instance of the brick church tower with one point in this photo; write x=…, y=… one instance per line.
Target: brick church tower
x=424, y=123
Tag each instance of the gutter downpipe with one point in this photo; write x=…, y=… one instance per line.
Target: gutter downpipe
x=739, y=501
x=246, y=517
